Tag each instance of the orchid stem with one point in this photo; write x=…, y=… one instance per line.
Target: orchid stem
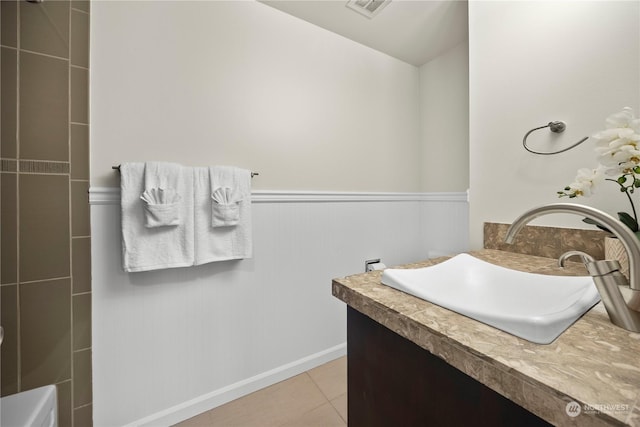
x=633, y=208
x=626, y=191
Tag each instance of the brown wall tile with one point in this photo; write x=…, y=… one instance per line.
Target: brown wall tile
x=65, y=404
x=9, y=348
x=81, y=323
x=8, y=88
x=8, y=165
x=44, y=108
x=80, y=208
x=81, y=260
x=82, y=378
x=79, y=95
x=9, y=23
x=79, y=151
x=39, y=166
x=79, y=39
x=82, y=5
x=41, y=207
x=9, y=228
x=44, y=227
x=44, y=27
x=45, y=332
x=83, y=416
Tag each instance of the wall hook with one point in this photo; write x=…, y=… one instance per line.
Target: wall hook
x=556, y=127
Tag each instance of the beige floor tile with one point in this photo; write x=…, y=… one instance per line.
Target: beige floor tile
x=340, y=403
x=301, y=401
x=271, y=406
x=331, y=377
x=322, y=416
x=202, y=420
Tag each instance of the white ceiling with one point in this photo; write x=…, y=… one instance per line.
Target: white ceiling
x=414, y=31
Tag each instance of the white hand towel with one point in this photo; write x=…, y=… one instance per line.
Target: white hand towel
x=161, y=196
x=225, y=207
x=219, y=243
x=145, y=248
x=161, y=207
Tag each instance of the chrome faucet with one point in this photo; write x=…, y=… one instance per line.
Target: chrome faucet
x=623, y=312
x=586, y=258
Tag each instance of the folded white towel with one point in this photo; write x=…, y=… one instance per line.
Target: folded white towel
x=161, y=197
x=161, y=207
x=151, y=248
x=225, y=207
x=222, y=214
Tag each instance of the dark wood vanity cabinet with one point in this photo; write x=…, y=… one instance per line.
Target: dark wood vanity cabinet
x=394, y=382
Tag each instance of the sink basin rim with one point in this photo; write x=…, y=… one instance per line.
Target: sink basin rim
x=541, y=323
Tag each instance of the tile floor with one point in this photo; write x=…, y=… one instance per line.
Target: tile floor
x=317, y=397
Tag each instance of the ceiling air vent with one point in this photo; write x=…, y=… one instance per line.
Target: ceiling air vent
x=368, y=8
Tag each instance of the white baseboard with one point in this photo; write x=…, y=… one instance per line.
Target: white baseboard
x=231, y=392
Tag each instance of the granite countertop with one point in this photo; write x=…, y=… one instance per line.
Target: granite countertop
x=593, y=363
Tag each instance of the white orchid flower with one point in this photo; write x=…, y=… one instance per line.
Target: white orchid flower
x=618, y=149
x=618, y=146
x=612, y=136
x=623, y=119
x=620, y=155
x=585, y=182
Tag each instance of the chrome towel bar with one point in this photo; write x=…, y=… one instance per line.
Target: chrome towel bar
x=118, y=169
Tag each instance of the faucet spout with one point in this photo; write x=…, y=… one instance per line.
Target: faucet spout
x=629, y=240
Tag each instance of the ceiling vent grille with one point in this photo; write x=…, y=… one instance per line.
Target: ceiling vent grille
x=368, y=8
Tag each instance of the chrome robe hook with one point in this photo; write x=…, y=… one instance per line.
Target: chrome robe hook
x=556, y=127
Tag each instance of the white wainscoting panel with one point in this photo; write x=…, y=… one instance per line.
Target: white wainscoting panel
x=170, y=344
x=445, y=224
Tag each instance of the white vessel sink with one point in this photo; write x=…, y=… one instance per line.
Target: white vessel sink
x=532, y=306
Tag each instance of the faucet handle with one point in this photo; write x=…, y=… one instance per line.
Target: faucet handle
x=586, y=258
x=606, y=267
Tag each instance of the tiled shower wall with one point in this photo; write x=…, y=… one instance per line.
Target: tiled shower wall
x=46, y=274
